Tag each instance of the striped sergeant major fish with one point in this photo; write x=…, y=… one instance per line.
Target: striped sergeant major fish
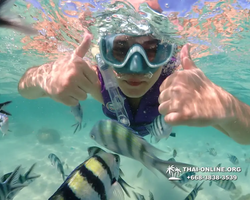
x=2, y=105
x=159, y=129
x=10, y=185
x=233, y=159
x=192, y=195
x=123, y=140
x=8, y=20
x=224, y=184
x=27, y=178
x=96, y=150
x=77, y=112
x=94, y=179
x=56, y=162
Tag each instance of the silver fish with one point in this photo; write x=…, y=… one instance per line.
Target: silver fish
x=212, y=151
x=192, y=195
x=4, y=124
x=8, y=20
x=77, y=112
x=122, y=140
x=233, y=159
x=159, y=129
x=10, y=185
x=56, y=162
x=94, y=179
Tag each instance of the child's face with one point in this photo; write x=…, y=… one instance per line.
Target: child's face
x=136, y=85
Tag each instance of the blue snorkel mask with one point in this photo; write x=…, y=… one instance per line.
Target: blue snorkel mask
x=135, y=58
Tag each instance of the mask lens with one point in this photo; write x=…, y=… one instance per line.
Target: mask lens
x=122, y=44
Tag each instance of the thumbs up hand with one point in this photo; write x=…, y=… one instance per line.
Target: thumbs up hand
x=188, y=97
x=70, y=78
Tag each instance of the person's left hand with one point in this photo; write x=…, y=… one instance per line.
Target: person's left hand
x=188, y=97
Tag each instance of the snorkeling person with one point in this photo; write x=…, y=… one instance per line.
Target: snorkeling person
x=185, y=97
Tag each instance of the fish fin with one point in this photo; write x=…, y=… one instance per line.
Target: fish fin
x=172, y=134
x=4, y=112
x=9, y=130
x=124, y=185
x=116, y=192
x=14, y=189
x=10, y=20
x=4, y=103
x=162, y=166
x=210, y=183
x=198, y=187
x=157, y=139
x=218, y=165
x=13, y=178
x=150, y=148
x=28, y=173
x=80, y=126
x=77, y=125
x=121, y=172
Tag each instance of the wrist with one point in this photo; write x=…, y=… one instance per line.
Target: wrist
x=229, y=102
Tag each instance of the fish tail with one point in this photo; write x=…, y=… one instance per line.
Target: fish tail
x=173, y=134
x=162, y=167
x=27, y=174
x=77, y=126
x=13, y=23
x=199, y=187
x=4, y=103
x=124, y=186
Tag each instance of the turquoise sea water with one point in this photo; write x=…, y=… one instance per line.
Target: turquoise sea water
x=225, y=62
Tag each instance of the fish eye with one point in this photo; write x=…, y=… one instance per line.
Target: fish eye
x=92, y=136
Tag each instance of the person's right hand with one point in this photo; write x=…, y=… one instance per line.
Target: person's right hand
x=71, y=78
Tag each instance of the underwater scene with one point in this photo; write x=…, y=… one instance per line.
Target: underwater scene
x=129, y=99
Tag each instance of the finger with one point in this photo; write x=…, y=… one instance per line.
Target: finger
x=186, y=60
x=69, y=101
x=164, y=108
x=89, y=79
x=169, y=106
x=164, y=96
x=173, y=118
x=84, y=46
x=166, y=83
x=79, y=94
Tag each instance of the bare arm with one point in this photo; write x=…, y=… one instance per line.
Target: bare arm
x=30, y=85
x=238, y=127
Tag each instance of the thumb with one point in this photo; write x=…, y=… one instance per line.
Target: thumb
x=186, y=60
x=82, y=49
